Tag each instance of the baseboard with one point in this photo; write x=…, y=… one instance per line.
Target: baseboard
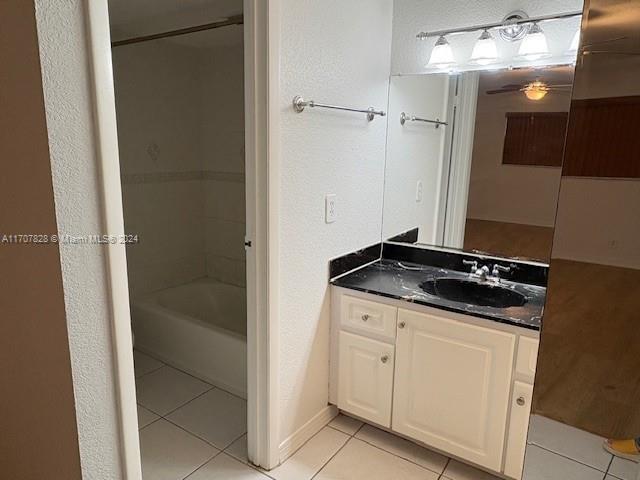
x=289, y=446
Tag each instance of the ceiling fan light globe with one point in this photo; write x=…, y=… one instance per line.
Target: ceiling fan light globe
x=535, y=95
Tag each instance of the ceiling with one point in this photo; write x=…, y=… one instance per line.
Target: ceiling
x=133, y=18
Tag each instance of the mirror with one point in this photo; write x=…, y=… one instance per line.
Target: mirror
x=485, y=179
x=587, y=386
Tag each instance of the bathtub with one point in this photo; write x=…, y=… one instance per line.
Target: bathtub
x=199, y=327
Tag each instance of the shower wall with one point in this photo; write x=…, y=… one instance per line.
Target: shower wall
x=181, y=136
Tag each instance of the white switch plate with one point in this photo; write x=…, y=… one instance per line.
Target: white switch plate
x=330, y=213
x=419, y=191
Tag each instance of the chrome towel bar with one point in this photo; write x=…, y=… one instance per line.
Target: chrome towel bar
x=300, y=103
x=410, y=118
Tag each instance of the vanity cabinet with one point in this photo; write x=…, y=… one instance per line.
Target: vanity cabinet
x=459, y=384
x=366, y=378
x=451, y=388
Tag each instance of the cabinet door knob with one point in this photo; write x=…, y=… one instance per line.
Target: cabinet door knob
x=402, y=325
x=365, y=317
x=521, y=401
x=384, y=358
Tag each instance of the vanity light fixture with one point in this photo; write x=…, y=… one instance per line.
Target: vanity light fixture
x=484, y=51
x=517, y=26
x=534, y=45
x=441, y=55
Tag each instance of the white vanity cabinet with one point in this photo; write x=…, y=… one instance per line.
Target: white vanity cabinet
x=366, y=378
x=459, y=384
x=451, y=387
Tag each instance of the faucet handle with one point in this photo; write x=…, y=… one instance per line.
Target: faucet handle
x=472, y=263
x=499, y=268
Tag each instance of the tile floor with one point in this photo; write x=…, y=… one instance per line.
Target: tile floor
x=190, y=430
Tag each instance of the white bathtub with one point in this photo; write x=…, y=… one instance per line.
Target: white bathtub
x=199, y=327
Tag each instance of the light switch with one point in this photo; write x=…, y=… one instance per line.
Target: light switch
x=330, y=208
x=419, y=191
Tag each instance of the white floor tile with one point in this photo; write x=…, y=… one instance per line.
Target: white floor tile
x=624, y=469
x=167, y=388
x=143, y=364
x=345, y=424
x=569, y=441
x=217, y=416
x=224, y=467
x=238, y=449
x=360, y=461
x=170, y=453
x=145, y=417
x=461, y=471
x=403, y=448
x=541, y=464
x=307, y=461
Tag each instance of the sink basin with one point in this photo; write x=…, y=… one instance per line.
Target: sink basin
x=474, y=293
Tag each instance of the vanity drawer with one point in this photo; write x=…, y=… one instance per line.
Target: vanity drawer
x=370, y=318
x=527, y=358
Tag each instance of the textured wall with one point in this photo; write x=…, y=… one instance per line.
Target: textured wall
x=336, y=52
x=413, y=16
x=66, y=80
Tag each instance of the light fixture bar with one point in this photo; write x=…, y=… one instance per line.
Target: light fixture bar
x=488, y=26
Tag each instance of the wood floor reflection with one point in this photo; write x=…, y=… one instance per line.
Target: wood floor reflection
x=509, y=239
x=589, y=365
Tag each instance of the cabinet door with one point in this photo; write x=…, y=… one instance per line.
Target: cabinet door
x=365, y=380
x=518, y=428
x=452, y=386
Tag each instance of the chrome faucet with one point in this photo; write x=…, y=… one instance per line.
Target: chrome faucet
x=476, y=270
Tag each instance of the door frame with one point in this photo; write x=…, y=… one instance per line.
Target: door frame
x=461, y=156
x=261, y=36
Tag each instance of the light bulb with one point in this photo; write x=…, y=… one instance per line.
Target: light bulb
x=484, y=51
x=536, y=90
x=534, y=45
x=575, y=42
x=441, y=55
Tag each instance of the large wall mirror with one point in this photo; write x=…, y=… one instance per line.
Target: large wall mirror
x=474, y=159
x=538, y=160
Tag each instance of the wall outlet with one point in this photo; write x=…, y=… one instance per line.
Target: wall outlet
x=330, y=213
x=419, y=191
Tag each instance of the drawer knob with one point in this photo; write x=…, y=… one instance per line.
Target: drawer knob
x=521, y=401
x=384, y=358
x=365, y=317
x=402, y=325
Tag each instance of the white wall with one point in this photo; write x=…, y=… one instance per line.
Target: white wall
x=223, y=163
x=598, y=221
x=336, y=52
x=511, y=193
x=410, y=17
x=158, y=105
x=66, y=83
x=415, y=152
x=181, y=137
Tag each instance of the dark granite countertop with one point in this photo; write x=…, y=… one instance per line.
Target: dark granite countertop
x=401, y=280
